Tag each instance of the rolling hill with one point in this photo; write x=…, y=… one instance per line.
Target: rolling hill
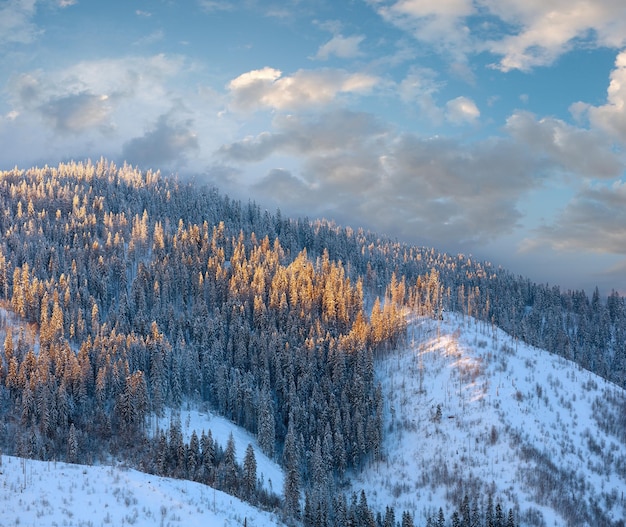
x=471, y=411
x=48, y=493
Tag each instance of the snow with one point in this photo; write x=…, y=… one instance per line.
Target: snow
x=541, y=433
x=504, y=406
x=41, y=493
x=47, y=493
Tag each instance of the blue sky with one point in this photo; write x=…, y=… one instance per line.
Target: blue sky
x=490, y=127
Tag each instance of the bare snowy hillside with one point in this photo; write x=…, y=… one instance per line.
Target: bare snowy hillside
x=40, y=493
x=471, y=412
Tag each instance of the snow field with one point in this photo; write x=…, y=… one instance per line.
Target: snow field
x=472, y=411
x=47, y=493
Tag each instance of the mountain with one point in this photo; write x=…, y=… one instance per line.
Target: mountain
x=158, y=324
x=471, y=411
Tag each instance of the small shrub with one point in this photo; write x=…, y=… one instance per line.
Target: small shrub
x=493, y=435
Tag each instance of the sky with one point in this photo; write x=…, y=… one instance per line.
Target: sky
x=494, y=128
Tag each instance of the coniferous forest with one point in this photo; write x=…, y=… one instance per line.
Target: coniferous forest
x=125, y=293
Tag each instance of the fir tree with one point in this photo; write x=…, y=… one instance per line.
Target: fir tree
x=249, y=473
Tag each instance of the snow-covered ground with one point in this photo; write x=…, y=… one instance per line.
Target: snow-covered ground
x=37, y=493
x=513, y=419
x=468, y=411
x=42, y=494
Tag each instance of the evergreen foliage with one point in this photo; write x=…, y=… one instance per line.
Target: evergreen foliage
x=134, y=292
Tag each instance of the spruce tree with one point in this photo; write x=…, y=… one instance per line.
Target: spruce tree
x=249, y=473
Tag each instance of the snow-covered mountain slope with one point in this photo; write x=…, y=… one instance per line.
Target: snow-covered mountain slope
x=42, y=493
x=472, y=411
x=469, y=411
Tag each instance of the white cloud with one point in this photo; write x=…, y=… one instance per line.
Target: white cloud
x=110, y=81
x=268, y=88
x=547, y=29
x=530, y=33
x=441, y=24
x=94, y=107
x=151, y=38
x=444, y=9
x=434, y=190
x=419, y=82
x=329, y=133
x=462, y=110
x=252, y=77
x=419, y=87
x=340, y=46
x=168, y=140
x=216, y=5
x=463, y=71
x=77, y=112
x=64, y=108
x=610, y=117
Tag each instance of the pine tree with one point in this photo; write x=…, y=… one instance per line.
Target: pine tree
x=308, y=516
x=208, y=457
x=466, y=512
x=177, y=455
x=193, y=456
x=340, y=509
x=249, y=473
x=499, y=515
x=229, y=466
x=390, y=517
x=291, y=462
x=72, y=445
x=162, y=455
x=476, y=516
x=489, y=518
x=511, y=519
x=407, y=519
x=441, y=520
x=364, y=514
x=266, y=426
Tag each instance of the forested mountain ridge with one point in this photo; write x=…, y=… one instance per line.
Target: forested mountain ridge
x=137, y=291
